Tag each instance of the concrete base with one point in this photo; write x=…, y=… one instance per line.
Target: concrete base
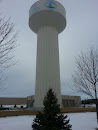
x=35, y=108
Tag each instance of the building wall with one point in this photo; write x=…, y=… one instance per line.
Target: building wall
x=13, y=101
x=67, y=101
x=71, y=101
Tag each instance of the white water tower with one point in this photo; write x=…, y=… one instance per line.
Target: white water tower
x=47, y=18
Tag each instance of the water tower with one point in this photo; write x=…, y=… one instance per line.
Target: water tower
x=47, y=19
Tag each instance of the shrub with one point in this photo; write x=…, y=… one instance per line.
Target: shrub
x=51, y=119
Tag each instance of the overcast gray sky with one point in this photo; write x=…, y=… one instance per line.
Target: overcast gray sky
x=80, y=33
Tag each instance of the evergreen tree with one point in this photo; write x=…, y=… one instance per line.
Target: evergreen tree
x=51, y=119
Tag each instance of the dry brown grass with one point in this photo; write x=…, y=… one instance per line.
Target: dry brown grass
x=17, y=113
x=32, y=112
x=73, y=110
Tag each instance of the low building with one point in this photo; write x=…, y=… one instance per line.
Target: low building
x=71, y=101
x=12, y=101
x=67, y=101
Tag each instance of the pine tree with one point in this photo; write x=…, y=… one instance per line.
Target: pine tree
x=51, y=119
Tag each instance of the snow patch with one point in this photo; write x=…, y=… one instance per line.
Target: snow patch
x=79, y=121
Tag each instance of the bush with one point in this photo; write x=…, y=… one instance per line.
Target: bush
x=21, y=107
x=51, y=119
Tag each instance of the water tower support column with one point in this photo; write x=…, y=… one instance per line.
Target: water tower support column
x=47, y=66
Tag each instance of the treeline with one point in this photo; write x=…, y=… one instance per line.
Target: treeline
x=89, y=101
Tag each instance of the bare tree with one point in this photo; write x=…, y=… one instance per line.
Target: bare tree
x=7, y=45
x=86, y=76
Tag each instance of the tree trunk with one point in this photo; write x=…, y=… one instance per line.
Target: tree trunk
x=96, y=103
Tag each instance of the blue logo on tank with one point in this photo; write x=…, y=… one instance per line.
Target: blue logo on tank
x=50, y=4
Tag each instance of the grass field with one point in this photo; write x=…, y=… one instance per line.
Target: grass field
x=32, y=112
